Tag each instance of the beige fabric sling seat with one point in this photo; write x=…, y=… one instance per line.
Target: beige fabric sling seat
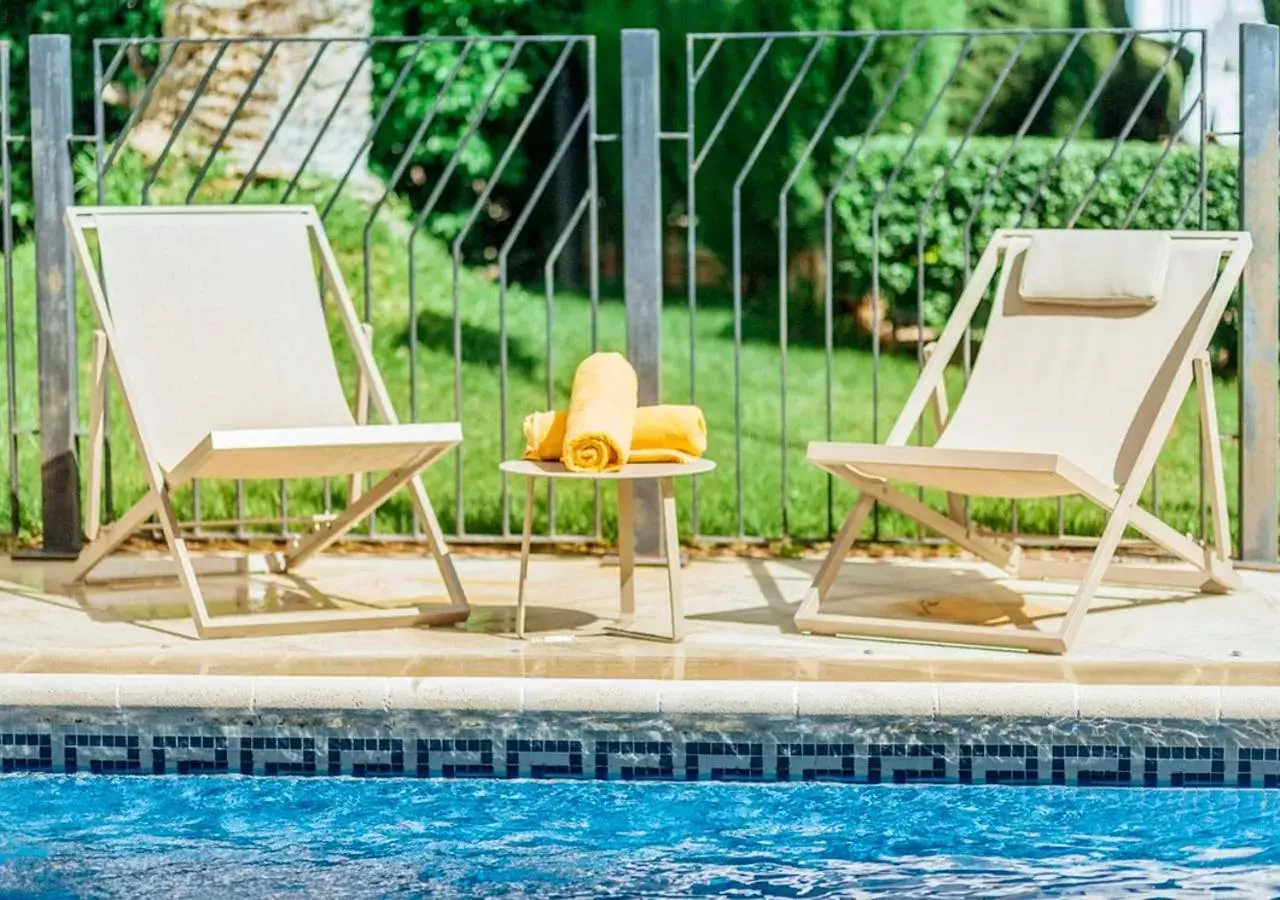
x=1093, y=341
x=215, y=325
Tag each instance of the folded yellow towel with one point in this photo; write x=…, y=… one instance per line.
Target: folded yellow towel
x=602, y=414
x=676, y=434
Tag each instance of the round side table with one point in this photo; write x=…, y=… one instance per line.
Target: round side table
x=665, y=474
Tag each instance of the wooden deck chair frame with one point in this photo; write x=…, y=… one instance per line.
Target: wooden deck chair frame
x=158, y=500
x=1209, y=567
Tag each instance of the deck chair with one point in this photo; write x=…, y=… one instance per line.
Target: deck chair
x=1093, y=341
x=213, y=321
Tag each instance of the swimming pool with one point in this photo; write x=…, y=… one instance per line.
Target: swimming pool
x=237, y=836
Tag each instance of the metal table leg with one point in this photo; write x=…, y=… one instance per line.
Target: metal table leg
x=626, y=564
x=524, y=556
x=626, y=553
x=671, y=534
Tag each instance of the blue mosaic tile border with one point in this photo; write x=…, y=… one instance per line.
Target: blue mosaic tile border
x=883, y=751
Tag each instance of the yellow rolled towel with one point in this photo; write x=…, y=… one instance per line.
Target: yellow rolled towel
x=602, y=414
x=544, y=435
x=667, y=433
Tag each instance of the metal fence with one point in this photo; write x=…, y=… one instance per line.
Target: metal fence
x=444, y=186
x=803, y=273
x=845, y=167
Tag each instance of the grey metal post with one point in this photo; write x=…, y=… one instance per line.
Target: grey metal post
x=642, y=246
x=1260, y=305
x=50, y=60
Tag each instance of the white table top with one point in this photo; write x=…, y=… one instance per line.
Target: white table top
x=630, y=472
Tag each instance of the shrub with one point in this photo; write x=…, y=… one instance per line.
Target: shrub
x=943, y=239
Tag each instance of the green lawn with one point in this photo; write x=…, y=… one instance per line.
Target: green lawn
x=570, y=339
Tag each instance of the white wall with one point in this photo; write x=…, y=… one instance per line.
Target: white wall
x=1221, y=19
x=1178, y=13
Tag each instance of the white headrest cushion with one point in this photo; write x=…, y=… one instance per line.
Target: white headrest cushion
x=1095, y=268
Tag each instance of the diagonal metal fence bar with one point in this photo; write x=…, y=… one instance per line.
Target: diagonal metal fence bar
x=326, y=124
x=104, y=77
x=931, y=200
x=828, y=222
x=384, y=109
x=1138, y=109
x=504, y=275
x=176, y=132
x=732, y=105
x=139, y=109
x=418, y=222
x=549, y=293
x=738, y=182
x=876, y=210
x=811, y=145
x=402, y=165
x=994, y=179
x=455, y=252
x=979, y=205
x=221, y=139
x=1195, y=107
x=707, y=59
x=284, y=117
x=1087, y=108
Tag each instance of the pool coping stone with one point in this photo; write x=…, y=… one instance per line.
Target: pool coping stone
x=1204, y=703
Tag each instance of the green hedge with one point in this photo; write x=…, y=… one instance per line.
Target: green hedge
x=1068, y=185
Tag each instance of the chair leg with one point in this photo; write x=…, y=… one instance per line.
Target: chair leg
x=1220, y=577
x=437, y=546
x=97, y=437
x=834, y=560
x=955, y=502
x=1093, y=574
x=367, y=503
x=1211, y=454
x=671, y=535
x=626, y=563
x=115, y=534
x=355, y=486
x=809, y=617
x=182, y=560
x=626, y=553
x=1001, y=557
x=118, y=532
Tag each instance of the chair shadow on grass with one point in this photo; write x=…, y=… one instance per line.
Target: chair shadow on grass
x=934, y=592
x=480, y=346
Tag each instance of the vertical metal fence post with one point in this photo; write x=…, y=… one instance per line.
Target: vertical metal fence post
x=1260, y=304
x=50, y=60
x=642, y=245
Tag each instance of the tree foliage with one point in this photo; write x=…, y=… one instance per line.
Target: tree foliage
x=1086, y=62
x=924, y=85
x=84, y=21
x=906, y=73
x=486, y=73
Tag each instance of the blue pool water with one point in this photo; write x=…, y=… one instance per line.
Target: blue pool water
x=231, y=836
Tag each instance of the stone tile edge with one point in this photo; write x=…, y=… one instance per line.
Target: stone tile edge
x=519, y=695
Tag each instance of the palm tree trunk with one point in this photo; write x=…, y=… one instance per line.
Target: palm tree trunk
x=287, y=109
